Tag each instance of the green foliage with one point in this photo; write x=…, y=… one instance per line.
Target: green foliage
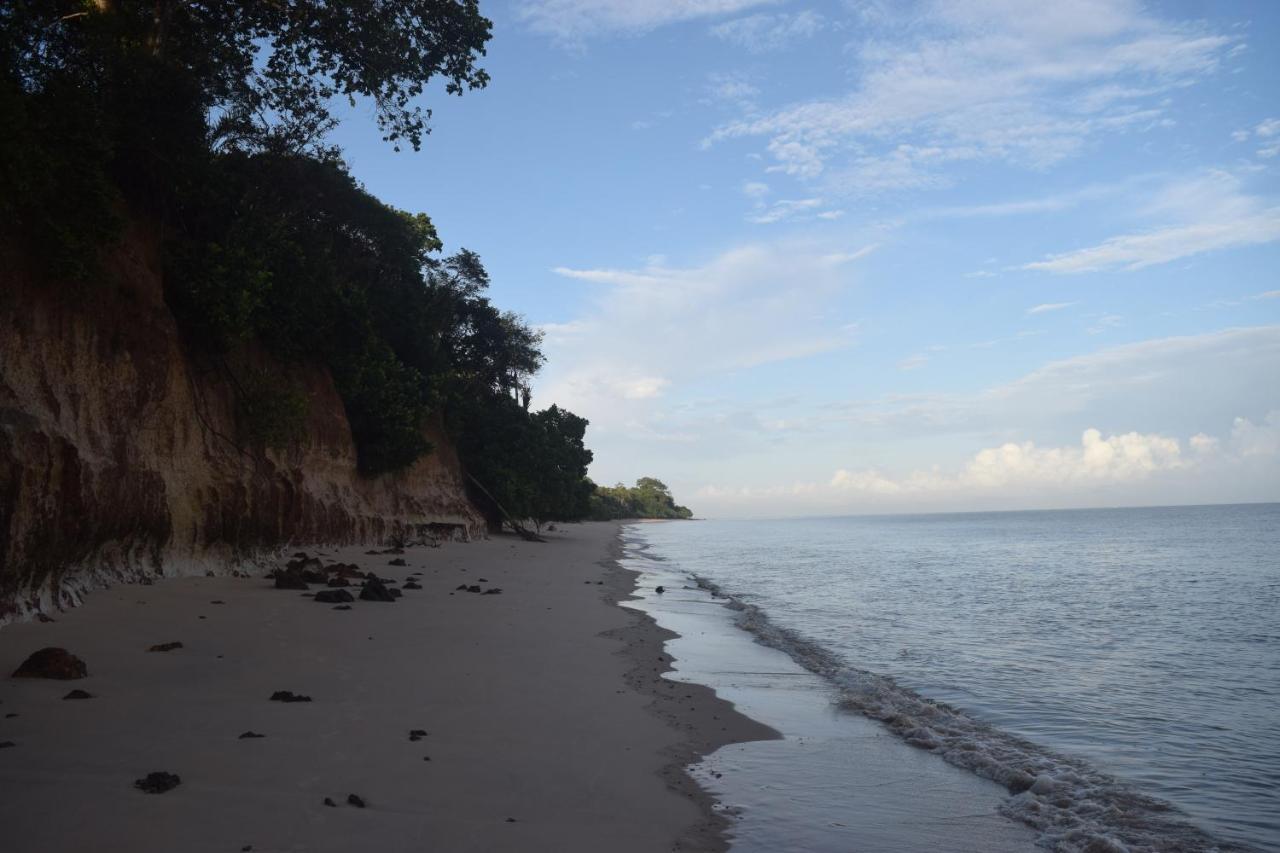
x=386, y=410
x=531, y=466
x=648, y=498
x=207, y=120
x=270, y=411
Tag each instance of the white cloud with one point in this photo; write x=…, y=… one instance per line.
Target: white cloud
x=1205, y=213
x=1135, y=251
x=574, y=20
x=651, y=330
x=975, y=80
x=732, y=88
x=1117, y=458
x=1049, y=306
x=914, y=362
x=784, y=209
x=1016, y=472
x=761, y=33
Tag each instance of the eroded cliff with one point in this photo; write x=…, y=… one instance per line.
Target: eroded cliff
x=118, y=456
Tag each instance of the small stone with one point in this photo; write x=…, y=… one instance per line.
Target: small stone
x=288, y=696
x=497, y=590
x=217, y=601
x=483, y=580
x=330, y=803
x=511, y=820
x=412, y=585
x=249, y=735
x=461, y=586
x=398, y=561
x=158, y=782
x=10, y=716
x=334, y=596
x=354, y=800
x=165, y=647
x=78, y=694
x=5, y=744
x=417, y=734
x=44, y=618
x=660, y=590
x=52, y=662
x=343, y=607
x=474, y=588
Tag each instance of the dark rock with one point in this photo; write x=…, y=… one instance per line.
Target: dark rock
x=217, y=601
x=290, y=580
x=511, y=820
x=165, y=647
x=497, y=590
x=338, y=582
x=305, y=564
x=412, y=585
x=334, y=596
x=354, y=800
x=78, y=694
x=315, y=576
x=246, y=848
x=346, y=571
x=660, y=590
x=473, y=588
x=417, y=734
x=483, y=580
x=395, y=593
x=44, y=618
x=52, y=663
x=288, y=696
x=158, y=782
x=343, y=607
x=461, y=586
x=328, y=801
x=374, y=590
x=5, y=744
x=249, y=735
x=10, y=716
x=398, y=561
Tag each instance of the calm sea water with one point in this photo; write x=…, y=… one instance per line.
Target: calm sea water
x=1098, y=663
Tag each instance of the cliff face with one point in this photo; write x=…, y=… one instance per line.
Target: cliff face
x=117, y=457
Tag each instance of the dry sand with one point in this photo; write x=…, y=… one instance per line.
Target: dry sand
x=549, y=725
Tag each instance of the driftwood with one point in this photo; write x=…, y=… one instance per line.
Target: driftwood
x=524, y=532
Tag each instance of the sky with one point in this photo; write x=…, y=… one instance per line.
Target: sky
x=799, y=258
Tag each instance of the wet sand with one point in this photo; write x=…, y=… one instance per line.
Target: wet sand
x=549, y=724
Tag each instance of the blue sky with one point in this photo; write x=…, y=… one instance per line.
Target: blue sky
x=797, y=257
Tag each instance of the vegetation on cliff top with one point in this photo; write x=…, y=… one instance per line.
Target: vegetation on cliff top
x=207, y=120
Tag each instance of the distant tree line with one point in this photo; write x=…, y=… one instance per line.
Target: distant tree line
x=206, y=121
x=648, y=498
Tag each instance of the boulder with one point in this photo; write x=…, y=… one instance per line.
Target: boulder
x=52, y=662
x=333, y=596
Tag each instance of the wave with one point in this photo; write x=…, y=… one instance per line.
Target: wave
x=1073, y=806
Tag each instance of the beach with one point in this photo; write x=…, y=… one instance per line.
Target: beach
x=541, y=715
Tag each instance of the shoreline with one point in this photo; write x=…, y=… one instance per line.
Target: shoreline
x=550, y=724
x=707, y=721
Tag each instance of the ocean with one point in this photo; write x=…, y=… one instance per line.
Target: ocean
x=1115, y=671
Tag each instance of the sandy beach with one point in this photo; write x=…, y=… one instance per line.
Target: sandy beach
x=548, y=724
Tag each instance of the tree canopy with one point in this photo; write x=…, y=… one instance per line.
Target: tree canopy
x=207, y=121
x=648, y=498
